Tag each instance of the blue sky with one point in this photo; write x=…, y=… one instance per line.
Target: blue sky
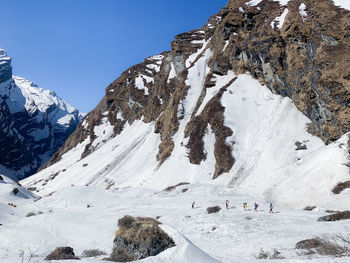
x=78, y=47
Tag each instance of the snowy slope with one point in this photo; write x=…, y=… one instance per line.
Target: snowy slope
x=266, y=128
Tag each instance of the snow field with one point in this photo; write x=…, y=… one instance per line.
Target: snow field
x=231, y=235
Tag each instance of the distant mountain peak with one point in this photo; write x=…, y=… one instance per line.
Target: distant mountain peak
x=5, y=66
x=35, y=122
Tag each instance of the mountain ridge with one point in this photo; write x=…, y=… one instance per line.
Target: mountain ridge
x=228, y=100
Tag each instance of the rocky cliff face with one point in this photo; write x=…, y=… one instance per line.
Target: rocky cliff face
x=34, y=123
x=229, y=99
x=304, y=57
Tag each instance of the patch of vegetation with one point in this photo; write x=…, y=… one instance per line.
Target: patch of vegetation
x=89, y=253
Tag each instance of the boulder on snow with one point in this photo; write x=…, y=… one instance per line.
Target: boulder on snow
x=308, y=243
x=138, y=238
x=15, y=191
x=213, y=209
x=336, y=216
x=61, y=253
x=1, y=179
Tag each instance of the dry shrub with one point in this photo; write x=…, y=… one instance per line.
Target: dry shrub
x=172, y=187
x=337, y=246
x=262, y=254
x=213, y=209
x=89, y=253
x=276, y=255
x=308, y=243
x=121, y=255
x=267, y=255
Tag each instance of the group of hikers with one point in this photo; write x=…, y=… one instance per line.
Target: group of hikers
x=245, y=206
x=256, y=205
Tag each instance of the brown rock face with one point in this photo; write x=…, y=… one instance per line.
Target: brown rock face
x=306, y=58
x=138, y=238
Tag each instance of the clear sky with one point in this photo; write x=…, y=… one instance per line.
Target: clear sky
x=78, y=47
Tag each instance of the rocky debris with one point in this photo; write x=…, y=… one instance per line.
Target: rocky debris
x=138, y=238
x=341, y=187
x=309, y=208
x=213, y=209
x=308, y=243
x=34, y=122
x=300, y=146
x=15, y=191
x=62, y=253
x=336, y=216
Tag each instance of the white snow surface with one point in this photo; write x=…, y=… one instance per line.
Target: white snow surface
x=342, y=3
x=172, y=73
x=302, y=11
x=279, y=20
x=63, y=219
x=140, y=84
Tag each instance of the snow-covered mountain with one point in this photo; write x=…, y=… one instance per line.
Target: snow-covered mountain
x=257, y=99
x=34, y=123
x=252, y=107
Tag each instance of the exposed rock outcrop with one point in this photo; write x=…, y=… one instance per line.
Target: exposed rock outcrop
x=138, y=238
x=303, y=56
x=62, y=253
x=335, y=217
